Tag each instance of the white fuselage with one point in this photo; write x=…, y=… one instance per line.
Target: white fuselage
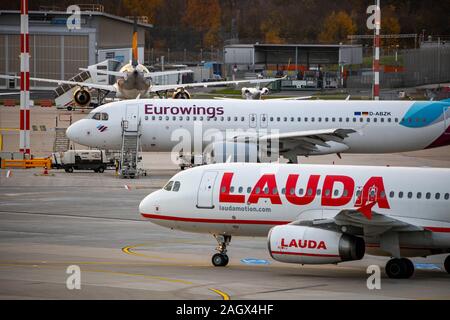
x=381, y=127
x=247, y=199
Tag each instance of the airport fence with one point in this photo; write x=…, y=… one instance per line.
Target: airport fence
x=421, y=67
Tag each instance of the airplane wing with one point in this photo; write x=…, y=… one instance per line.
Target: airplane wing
x=372, y=222
x=157, y=88
x=73, y=83
x=146, y=75
x=311, y=139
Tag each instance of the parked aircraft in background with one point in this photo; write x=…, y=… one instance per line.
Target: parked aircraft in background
x=301, y=128
x=313, y=214
x=134, y=80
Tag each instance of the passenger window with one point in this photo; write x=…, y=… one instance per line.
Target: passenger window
x=309, y=192
x=375, y=119
x=257, y=190
x=437, y=196
x=319, y=192
x=249, y=190
x=283, y=191
x=382, y=194
x=400, y=194
x=306, y=119
x=292, y=120
x=231, y=189
x=319, y=119
x=389, y=120
x=105, y=117
x=96, y=116
x=168, y=186
x=391, y=194
x=447, y=196
x=174, y=118
x=361, y=119
x=291, y=191
x=240, y=190
x=336, y=193
x=327, y=192
x=300, y=192
x=274, y=191
x=419, y=195
x=410, y=194
x=345, y=193
x=428, y=195
x=176, y=186
x=368, y=119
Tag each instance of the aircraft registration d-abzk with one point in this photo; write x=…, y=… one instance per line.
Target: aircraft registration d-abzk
x=301, y=128
x=313, y=214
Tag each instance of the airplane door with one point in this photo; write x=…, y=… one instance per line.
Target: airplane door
x=447, y=119
x=253, y=119
x=132, y=117
x=263, y=121
x=205, y=191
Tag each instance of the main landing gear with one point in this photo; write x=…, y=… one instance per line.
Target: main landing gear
x=400, y=268
x=221, y=259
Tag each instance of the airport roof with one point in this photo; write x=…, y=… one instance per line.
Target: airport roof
x=83, y=13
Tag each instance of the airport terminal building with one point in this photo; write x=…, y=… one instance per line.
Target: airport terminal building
x=57, y=51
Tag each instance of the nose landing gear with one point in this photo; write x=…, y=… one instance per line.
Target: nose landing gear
x=399, y=268
x=221, y=259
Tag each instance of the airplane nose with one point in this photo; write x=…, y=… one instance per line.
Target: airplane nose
x=149, y=205
x=70, y=133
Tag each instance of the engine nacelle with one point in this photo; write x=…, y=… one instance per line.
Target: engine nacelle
x=181, y=94
x=82, y=97
x=221, y=152
x=308, y=245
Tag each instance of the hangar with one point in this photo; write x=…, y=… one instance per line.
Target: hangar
x=56, y=51
x=297, y=61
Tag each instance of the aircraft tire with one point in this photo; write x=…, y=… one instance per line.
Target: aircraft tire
x=399, y=268
x=219, y=260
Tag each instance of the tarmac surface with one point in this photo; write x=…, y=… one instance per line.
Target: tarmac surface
x=91, y=220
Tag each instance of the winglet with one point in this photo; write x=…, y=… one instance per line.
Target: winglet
x=366, y=209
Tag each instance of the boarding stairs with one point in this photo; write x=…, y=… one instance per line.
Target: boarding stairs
x=129, y=155
x=61, y=143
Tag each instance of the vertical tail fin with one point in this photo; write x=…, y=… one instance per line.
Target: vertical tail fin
x=134, y=60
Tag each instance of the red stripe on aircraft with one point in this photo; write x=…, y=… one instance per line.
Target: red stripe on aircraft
x=437, y=229
x=228, y=221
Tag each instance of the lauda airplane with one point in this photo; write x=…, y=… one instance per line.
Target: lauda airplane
x=313, y=214
x=301, y=127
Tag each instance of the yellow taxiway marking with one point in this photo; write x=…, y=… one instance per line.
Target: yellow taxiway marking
x=48, y=264
x=221, y=293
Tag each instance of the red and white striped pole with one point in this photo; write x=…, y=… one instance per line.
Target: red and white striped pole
x=376, y=60
x=24, y=79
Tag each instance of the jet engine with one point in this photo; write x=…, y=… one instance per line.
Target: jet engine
x=308, y=245
x=82, y=97
x=254, y=93
x=181, y=94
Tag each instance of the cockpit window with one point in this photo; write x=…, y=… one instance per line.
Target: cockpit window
x=104, y=116
x=96, y=116
x=168, y=186
x=176, y=186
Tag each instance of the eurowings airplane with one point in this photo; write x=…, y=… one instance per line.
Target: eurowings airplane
x=301, y=128
x=313, y=214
